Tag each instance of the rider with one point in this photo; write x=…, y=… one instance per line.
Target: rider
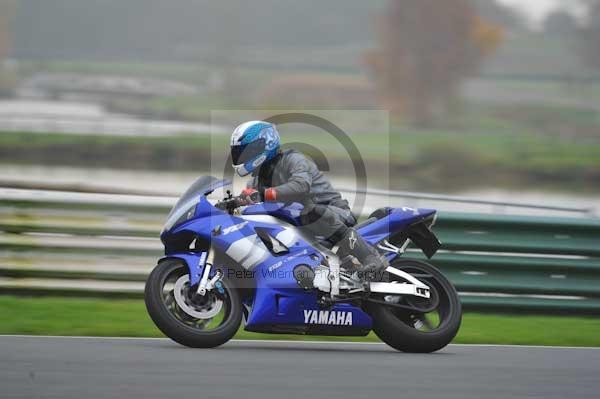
x=289, y=176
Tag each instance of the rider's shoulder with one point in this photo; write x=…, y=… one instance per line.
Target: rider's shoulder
x=293, y=158
x=293, y=155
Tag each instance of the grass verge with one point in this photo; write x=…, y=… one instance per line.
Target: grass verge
x=436, y=159
x=100, y=317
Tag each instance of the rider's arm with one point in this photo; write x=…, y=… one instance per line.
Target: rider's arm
x=298, y=185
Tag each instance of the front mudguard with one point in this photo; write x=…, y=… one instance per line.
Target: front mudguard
x=195, y=262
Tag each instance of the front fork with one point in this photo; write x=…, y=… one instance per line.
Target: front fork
x=200, y=268
x=207, y=283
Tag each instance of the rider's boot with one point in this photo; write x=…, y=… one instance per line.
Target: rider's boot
x=371, y=263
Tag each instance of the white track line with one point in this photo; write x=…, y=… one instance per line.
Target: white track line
x=283, y=341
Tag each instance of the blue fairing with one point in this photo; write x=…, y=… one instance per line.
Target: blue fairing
x=193, y=260
x=281, y=302
x=397, y=220
x=277, y=301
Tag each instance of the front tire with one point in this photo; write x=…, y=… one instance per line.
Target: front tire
x=204, y=322
x=414, y=331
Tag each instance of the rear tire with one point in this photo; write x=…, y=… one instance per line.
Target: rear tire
x=177, y=325
x=393, y=325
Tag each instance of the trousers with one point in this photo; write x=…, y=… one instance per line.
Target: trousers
x=328, y=221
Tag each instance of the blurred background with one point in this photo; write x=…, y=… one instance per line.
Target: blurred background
x=494, y=100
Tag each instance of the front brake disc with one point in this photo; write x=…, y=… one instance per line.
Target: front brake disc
x=205, y=311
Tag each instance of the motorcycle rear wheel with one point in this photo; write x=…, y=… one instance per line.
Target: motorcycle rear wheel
x=415, y=331
x=184, y=324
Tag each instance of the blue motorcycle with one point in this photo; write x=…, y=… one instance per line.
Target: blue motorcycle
x=226, y=262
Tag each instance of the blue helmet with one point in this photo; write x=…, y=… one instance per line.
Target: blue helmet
x=253, y=143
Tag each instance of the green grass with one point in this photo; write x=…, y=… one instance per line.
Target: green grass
x=439, y=159
x=522, y=150
x=128, y=318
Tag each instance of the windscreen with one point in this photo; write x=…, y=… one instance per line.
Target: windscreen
x=202, y=186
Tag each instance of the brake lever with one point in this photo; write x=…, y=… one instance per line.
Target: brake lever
x=230, y=204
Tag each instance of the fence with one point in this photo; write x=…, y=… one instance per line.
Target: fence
x=497, y=206
x=81, y=244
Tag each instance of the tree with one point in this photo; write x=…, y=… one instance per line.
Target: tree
x=426, y=48
x=590, y=36
x=498, y=14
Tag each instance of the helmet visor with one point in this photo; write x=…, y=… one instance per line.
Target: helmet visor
x=240, y=154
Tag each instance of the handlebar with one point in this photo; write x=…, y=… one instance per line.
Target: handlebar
x=230, y=204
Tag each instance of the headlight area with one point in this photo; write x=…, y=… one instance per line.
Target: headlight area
x=184, y=241
x=186, y=216
x=180, y=215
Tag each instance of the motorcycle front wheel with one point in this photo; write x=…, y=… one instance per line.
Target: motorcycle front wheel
x=414, y=324
x=189, y=319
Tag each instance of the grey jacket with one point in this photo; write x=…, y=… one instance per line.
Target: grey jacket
x=296, y=179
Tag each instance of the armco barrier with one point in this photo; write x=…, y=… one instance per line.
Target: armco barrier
x=522, y=263
x=59, y=243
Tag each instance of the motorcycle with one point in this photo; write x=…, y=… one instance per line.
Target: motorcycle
x=228, y=261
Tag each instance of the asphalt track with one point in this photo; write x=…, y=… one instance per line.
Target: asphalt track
x=46, y=367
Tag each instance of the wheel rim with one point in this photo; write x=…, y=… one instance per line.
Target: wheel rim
x=206, y=313
x=206, y=308
x=426, y=315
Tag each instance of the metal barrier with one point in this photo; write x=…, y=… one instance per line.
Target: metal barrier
x=522, y=263
x=61, y=192
x=503, y=205
x=61, y=243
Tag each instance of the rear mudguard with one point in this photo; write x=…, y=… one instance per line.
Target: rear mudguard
x=421, y=236
x=402, y=224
